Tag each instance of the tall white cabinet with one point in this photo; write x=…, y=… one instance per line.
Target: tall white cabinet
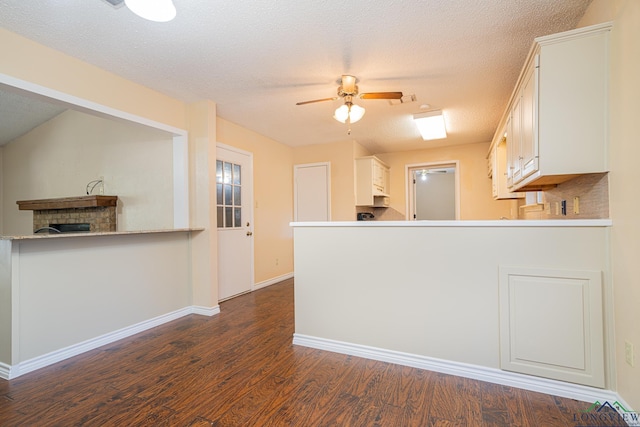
x=557, y=117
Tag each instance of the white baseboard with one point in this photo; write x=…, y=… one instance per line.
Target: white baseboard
x=492, y=375
x=272, y=281
x=9, y=372
x=205, y=311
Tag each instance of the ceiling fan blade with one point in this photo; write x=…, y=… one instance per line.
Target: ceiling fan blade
x=316, y=100
x=381, y=95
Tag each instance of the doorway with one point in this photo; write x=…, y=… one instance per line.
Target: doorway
x=433, y=191
x=234, y=202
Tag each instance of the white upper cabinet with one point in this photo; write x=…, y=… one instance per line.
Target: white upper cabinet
x=372, y=182
x=558, y=116
x=498, y=170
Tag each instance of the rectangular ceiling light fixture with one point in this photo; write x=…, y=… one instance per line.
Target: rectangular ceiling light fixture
x=431, y=125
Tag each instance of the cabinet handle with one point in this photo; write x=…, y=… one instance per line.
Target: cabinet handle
x=249, y=233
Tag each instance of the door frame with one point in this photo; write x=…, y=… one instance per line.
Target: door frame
x=252, y=280
x=410, y=194
x=295, y=186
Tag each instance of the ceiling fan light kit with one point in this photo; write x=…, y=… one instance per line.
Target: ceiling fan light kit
x=153, y=10
x=350, y=112
x=431, y=125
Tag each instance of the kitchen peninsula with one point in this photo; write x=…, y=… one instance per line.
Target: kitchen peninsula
x=63, y=294
x=524, y=303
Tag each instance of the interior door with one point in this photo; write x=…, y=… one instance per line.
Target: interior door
x=312, y=192
x=234, y=200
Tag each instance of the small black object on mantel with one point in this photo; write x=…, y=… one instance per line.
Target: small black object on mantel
x=365, y=216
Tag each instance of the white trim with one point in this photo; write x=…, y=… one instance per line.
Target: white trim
x=80, y=104
x=180, y=181
x=6, y=371
x=234, y=149
x=272, y=281
x=482, y=373
x=205, y=311
x=9, y=372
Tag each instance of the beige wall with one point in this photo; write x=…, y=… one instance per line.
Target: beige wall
x=38, y=64
x=341, y=156
x=273, y=199
x=624, y=175
x=476, y=202
x=59, y=158
x=202, y=165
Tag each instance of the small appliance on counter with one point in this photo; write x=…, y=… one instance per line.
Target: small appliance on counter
x=365, y=216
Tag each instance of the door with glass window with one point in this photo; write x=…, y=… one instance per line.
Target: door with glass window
x=234, y=177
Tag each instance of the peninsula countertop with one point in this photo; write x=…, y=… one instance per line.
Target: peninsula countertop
x=463, y=223
x=106, y=233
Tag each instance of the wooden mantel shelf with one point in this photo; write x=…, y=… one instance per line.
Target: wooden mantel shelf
x=67, y=203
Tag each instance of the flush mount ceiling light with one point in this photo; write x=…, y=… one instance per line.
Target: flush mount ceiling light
x=431, y=124
x=153, y=10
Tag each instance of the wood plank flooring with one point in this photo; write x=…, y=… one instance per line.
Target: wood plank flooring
x=239, y=368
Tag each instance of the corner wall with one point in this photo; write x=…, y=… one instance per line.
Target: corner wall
x=272, y=198
x=623, y=178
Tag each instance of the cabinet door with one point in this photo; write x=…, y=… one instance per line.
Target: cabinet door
x=528, y=125
x=378, y=177
x=500, y=171
x=551, y=324
x=515, y=154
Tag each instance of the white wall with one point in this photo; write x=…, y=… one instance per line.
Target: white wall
x=59, y=158
x=430, y=291
x=74, y=289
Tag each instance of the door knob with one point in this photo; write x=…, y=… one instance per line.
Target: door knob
x=249, y=233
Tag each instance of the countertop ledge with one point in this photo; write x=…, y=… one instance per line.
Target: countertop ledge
x=110, y=233
x=487, y=223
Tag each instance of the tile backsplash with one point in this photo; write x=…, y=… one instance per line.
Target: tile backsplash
x=592, y=190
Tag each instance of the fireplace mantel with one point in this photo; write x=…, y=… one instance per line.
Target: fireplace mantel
x=94, y=214
x=67, y=203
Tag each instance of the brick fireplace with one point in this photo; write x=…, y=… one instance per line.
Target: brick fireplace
x=92, y=214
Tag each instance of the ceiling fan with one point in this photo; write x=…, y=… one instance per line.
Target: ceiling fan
x=348, y=90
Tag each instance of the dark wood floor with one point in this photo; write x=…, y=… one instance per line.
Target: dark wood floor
x=239, y=368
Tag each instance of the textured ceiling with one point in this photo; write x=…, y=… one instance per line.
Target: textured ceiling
x=256, y=59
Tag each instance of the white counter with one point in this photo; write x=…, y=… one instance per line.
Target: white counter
x=489, y=223
x=108, y=233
